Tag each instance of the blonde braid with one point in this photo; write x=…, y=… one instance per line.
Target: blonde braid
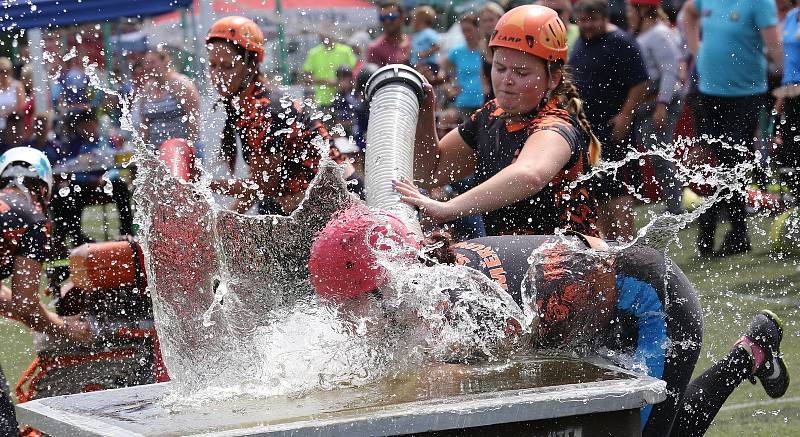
x=567, y=92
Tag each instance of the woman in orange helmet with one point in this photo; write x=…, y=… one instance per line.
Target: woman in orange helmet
x=276, y=138
x=528, y=147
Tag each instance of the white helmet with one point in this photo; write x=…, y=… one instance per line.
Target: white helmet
x=37, y=163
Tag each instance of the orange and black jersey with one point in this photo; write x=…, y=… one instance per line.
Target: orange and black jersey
x=23, y=228
x=285, y=129
x=564, y=203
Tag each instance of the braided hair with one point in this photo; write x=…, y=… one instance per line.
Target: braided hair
x=570, y=98
x=227, y=149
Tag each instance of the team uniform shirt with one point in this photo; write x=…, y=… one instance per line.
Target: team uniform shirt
x=656, y=307
x=322, y=63
x=467, y=64
x=791, y=48
x=605, y=69
x=267, y=128
x=563, y=203
x=731, y=61
x=24, y=230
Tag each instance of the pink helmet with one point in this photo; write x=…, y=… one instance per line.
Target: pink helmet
x=343, y=262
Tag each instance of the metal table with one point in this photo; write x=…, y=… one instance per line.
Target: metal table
x=527, y=396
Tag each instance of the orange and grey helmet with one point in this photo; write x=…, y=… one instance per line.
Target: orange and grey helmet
x=240, y=31
x=532, y=29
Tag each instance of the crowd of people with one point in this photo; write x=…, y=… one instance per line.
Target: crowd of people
x=517, y=113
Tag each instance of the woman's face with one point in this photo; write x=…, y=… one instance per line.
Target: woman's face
x=158, y=68
x=470, y=32
x=226, y=67
x=520, y=80
x=486, y=22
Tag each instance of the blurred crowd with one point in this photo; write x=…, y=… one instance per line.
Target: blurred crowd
x=644, y=80
x=641, y=77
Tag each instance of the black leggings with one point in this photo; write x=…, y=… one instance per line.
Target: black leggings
x=8, y=420
x=706, y=394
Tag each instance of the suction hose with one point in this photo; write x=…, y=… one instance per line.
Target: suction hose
x=395, y=93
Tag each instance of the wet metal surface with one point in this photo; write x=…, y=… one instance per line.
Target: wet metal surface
x=436, y=398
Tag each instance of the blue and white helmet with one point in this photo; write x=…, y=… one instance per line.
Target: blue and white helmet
x=37, y=166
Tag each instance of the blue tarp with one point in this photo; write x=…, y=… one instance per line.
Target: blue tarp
x=26, y=14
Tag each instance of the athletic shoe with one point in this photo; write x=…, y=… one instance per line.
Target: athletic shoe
x=766, y=331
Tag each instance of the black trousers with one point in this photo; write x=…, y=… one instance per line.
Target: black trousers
x=67, y=210
x=706, y=394
x=734, y=121
x=787, y=155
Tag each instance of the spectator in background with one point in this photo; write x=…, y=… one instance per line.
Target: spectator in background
x=464, y=64
x=74, y=87
x=787, y=156
x=170, y=103
x=83, y=158
x=732, y=68
x=488, y=16
x=612, y=77
x=425, y=41
x=43, y=138
x=322, y=62
x=361, y=113
x=13, y=135
x=344, y=102
x=28, y=111
x=564, y=10
x=12, y=92
x=656, y=119
x=393, y=46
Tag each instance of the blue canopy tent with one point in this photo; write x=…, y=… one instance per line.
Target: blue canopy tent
x=38, y=14
x=28, y=14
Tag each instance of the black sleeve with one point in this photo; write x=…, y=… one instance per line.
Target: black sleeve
x=33, y=242
x=470, y=128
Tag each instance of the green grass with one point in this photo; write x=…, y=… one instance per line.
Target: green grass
x=731, y=291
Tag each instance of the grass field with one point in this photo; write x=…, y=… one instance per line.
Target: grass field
x=731, y=291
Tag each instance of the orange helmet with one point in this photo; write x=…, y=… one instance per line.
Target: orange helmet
x=241, y=31
x=532, y=29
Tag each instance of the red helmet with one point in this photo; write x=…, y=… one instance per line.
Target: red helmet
x=532, y=29
x=241, y=31
x=644, y=2
x=343, y=262
x=574, y=295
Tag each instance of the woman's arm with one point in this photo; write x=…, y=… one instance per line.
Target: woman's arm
x=544, y=154
x=26, y=307
x=437, y=163
x=690, y=19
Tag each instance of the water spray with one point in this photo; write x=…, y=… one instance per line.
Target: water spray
x=395, y=94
